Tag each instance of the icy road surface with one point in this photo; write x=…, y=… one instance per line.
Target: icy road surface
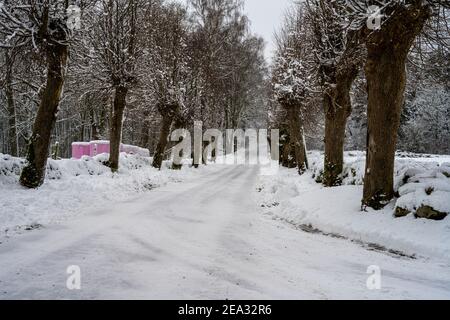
x=204, y=240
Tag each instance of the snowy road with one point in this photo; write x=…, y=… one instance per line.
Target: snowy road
x=203, y=240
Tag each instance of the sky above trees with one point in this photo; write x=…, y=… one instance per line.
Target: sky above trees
x=266, y=17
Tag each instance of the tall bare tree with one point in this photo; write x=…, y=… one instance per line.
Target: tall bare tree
x=116, y=44
x=42, y=24
x=338, y=58
x=291, y=83
x=388, y=45
x=168, y=57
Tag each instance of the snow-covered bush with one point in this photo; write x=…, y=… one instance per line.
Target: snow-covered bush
x=426, y=193
x=353, y=171
x=10, y=166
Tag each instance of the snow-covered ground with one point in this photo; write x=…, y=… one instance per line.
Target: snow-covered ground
x=73, y=187
x=222, y=232
x=306, y=204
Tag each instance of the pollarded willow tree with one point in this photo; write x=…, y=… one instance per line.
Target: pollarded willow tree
x=292, y=82
x=116, y=43
x=168, y=58
x=339, y=57
x=388, y=45
x=42, y=25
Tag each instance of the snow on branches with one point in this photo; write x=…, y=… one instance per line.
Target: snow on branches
x=292, y=65
x=362, y=14
x=289, y=77
x=36, y=23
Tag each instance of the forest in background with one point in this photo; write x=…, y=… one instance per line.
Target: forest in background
x=202, y=58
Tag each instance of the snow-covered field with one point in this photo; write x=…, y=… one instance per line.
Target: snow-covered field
x=304, y=203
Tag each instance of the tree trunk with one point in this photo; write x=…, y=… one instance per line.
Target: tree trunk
x=10, y=104
x=94, y=126
x=115, y=139
x=385, y=70
x=335, y=122
x=99, y=116
x=145, y=130
x=386, y=79
x=179, y=122
x=167, y=119
x=337, y=107
x=296, y=137
x=33, y=173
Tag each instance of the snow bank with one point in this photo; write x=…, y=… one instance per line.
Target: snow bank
x=353, y=173
x=10, y=167
x=355, y=164
x=303, y=202
x=130, y=149
x=420, y=180
x=75, y=186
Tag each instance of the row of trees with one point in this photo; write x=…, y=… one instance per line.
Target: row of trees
x=126, y=70
x=134, y=70
x=324, y=48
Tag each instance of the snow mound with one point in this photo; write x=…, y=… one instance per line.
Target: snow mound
x=10, y=167
x=355, y=164
x=73, y=187
x=301, y=201
x=353, y=172
x=425, y=191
